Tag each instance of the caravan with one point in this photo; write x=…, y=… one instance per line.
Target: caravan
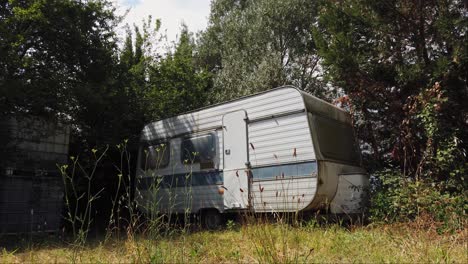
x=282, y=150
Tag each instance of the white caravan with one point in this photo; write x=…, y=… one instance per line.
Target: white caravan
x=282, y=150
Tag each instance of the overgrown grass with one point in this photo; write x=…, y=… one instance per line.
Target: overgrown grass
x=309, y=243
x=283, y=238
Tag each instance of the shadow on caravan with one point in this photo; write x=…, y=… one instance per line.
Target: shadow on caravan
x=282, y=150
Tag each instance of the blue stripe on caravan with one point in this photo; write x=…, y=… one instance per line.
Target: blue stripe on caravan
x=296, y=170
x=181, y=180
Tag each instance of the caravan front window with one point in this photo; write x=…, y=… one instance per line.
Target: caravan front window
x=200, y=149
x=155, y=156
x=336, y=140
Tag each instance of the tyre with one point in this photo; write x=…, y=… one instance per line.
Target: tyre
x=211, y=219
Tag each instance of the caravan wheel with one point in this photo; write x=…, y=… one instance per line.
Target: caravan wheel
x=211, y=219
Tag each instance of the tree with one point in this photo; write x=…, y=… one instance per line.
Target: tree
x=50, y=50
x=59, y=59
x=177, y=83
x=253, y=46
x=403, y=65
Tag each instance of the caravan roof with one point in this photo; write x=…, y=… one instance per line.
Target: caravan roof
x=193, y=121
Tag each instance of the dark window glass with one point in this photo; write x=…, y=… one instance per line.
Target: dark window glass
x=155, y=156
x=308, y=169
x=336, y=140
x=201, y=149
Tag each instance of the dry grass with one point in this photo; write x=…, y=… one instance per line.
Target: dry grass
x=264, y=243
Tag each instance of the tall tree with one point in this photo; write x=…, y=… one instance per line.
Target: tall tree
x=404, y=66
x=177, y=83
x=49, y=49
x=253, y=46
x=60, y=59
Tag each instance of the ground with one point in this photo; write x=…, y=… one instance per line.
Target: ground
x=260, y=243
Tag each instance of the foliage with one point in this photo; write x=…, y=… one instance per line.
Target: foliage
x=399, y=198
x=51, y=50
x=59, y=59
x=384, y=55
x=437, y=187
x=164, y=85
x=403, y=66
x=177, y=84
x=253, y=46
x=444, y=156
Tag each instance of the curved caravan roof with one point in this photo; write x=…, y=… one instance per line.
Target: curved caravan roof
x=273, y=102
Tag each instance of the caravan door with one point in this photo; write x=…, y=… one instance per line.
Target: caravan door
x=235, y=151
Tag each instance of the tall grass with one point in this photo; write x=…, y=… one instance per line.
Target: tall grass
x=275, y=237
x=311, y=242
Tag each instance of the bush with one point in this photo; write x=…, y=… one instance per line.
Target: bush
x=397, y=198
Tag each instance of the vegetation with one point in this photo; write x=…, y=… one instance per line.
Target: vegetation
x=252, y=46
x=399, y=67
x=310, y=243
x=402, y=66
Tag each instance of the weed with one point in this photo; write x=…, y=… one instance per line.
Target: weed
x=231, y=225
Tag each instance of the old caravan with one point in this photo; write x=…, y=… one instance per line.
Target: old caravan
x=282, y=150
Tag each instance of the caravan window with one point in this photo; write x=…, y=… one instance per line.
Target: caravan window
x=200, y=149
x=156, y=156
x=336, y=140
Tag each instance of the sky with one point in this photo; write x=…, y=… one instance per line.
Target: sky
x=194, y=13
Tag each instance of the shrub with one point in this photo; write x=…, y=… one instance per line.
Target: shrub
x=396, y=198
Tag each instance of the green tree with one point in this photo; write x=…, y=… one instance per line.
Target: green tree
x=49, y=50
x=404, y=67
x=253, y=46
x=60, y=59
x=132, y=81
x=177, y=83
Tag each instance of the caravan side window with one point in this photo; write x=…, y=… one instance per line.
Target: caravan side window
x=199, y=149
x=155, y=156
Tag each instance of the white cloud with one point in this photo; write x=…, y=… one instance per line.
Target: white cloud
x=194, y=13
